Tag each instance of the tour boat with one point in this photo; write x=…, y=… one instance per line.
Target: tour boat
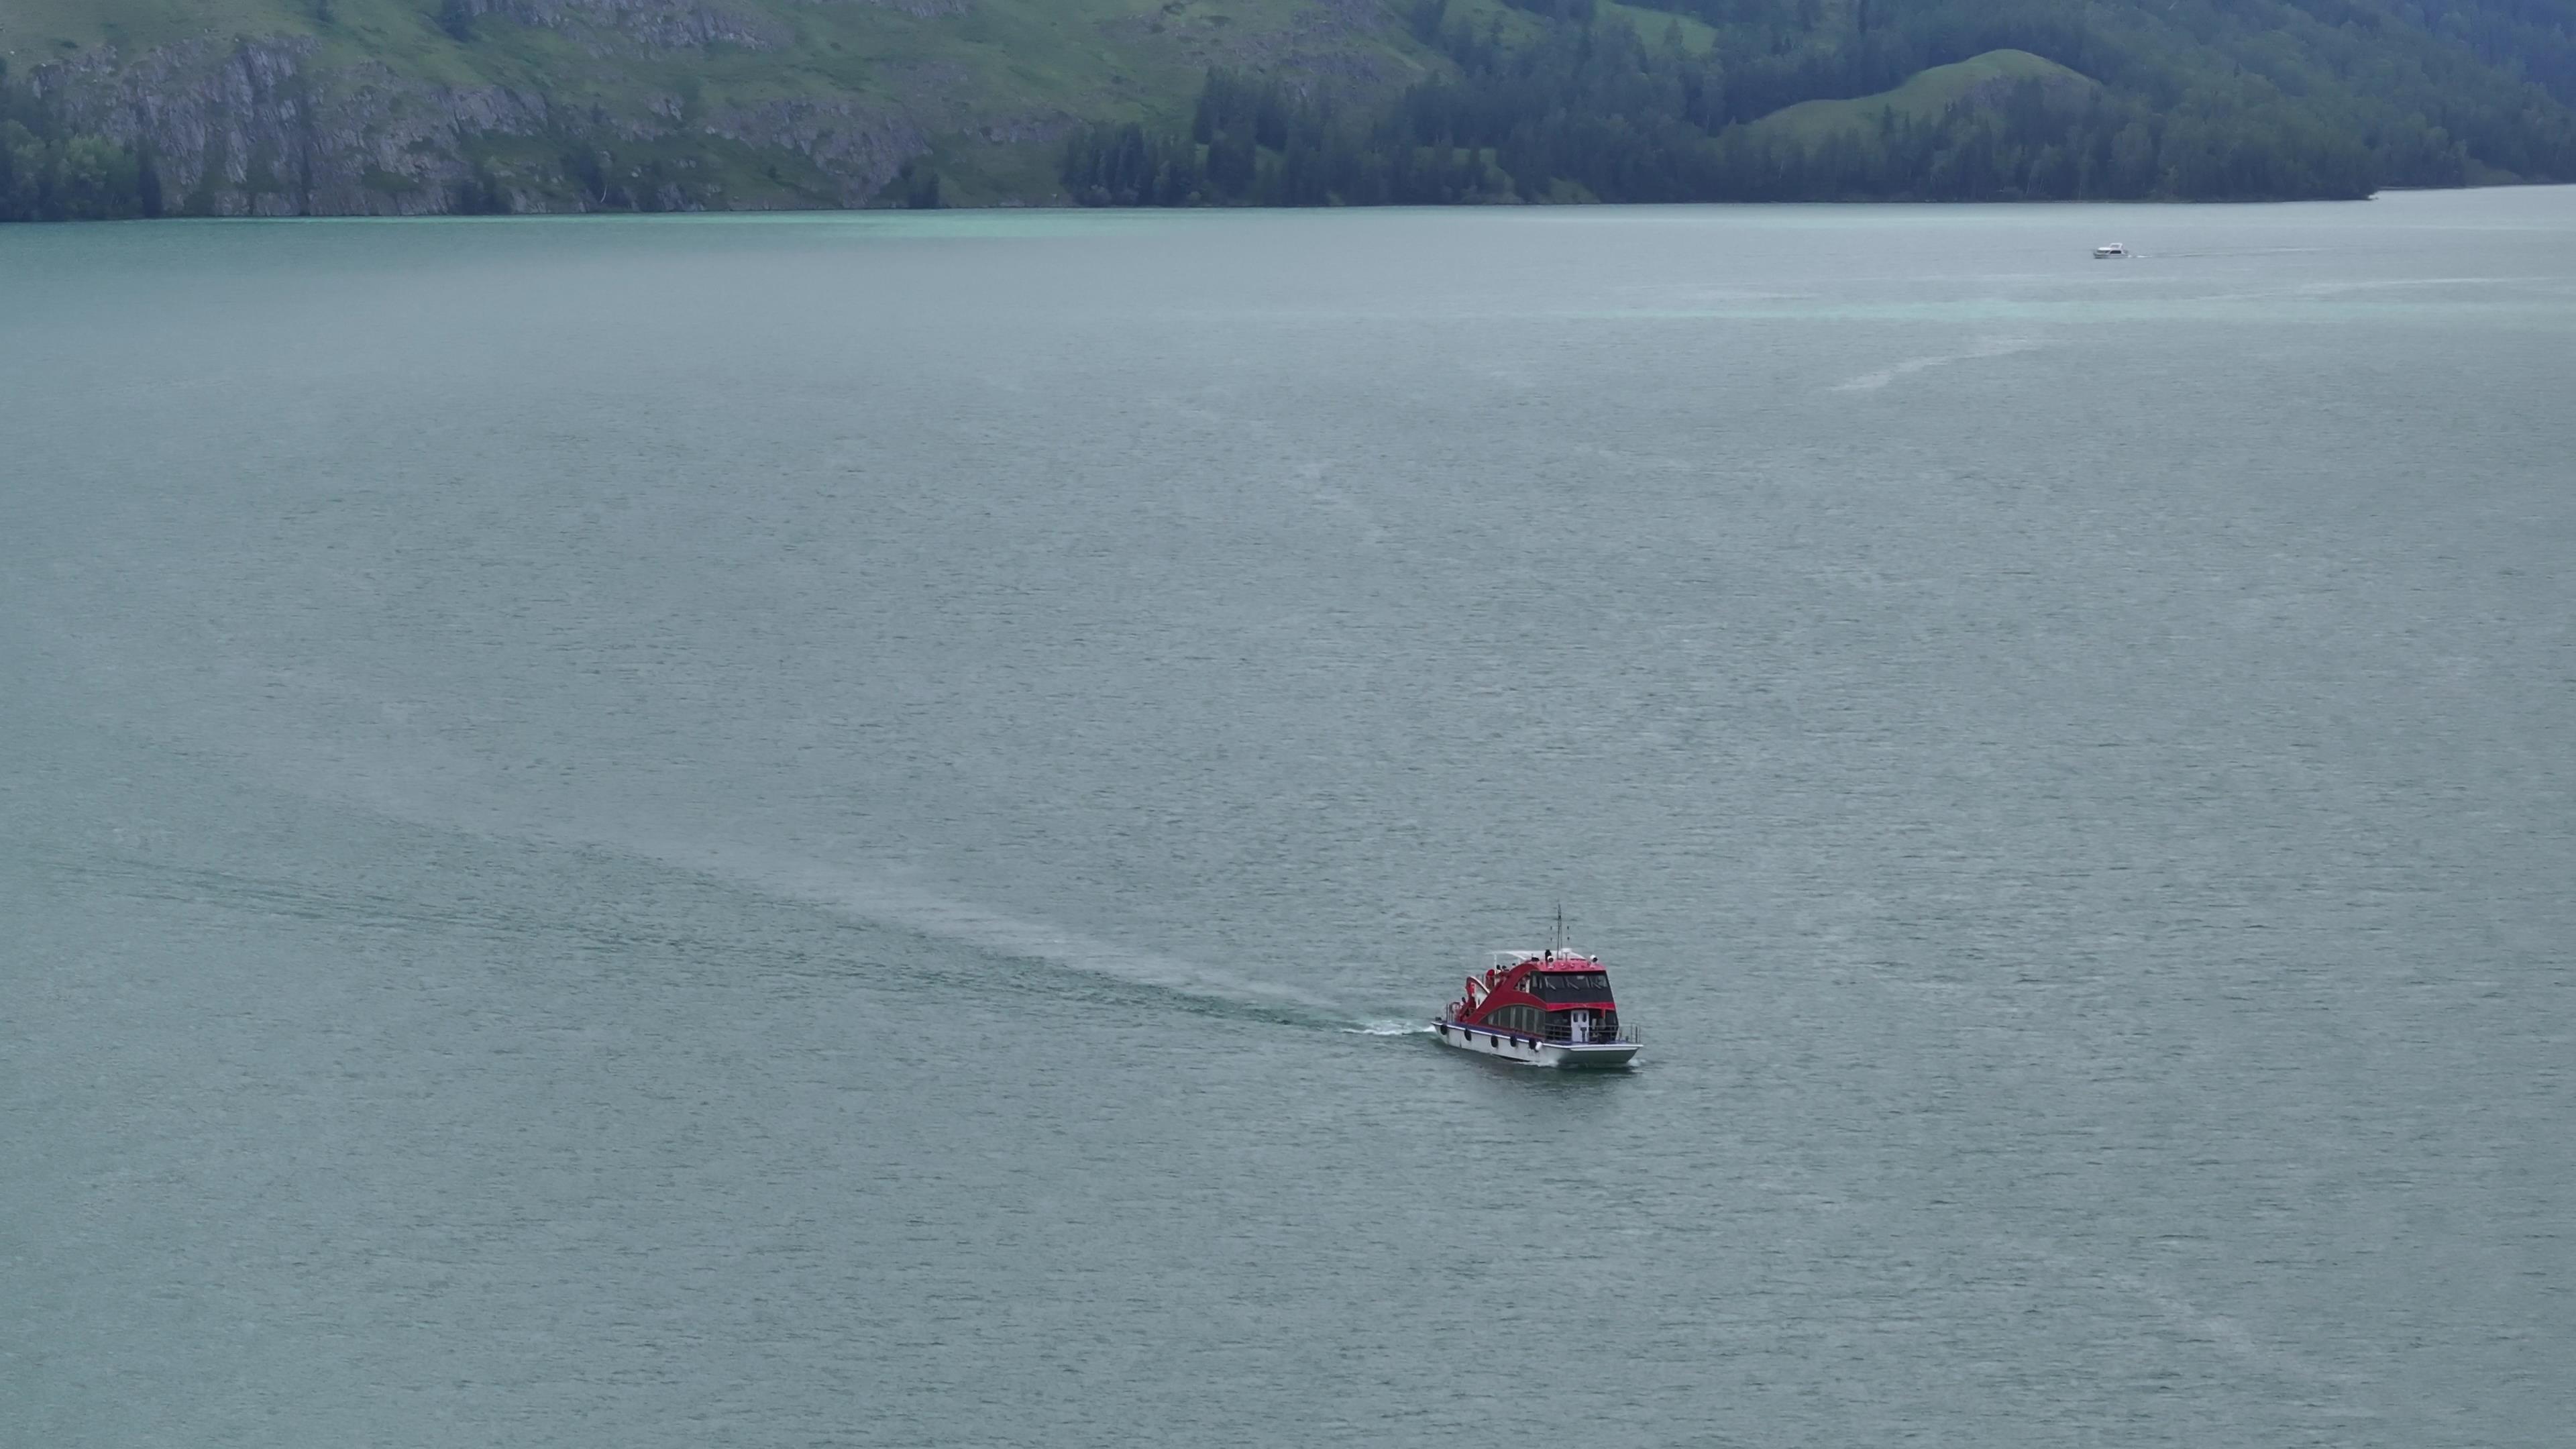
x=1548, y=1008
x=2108, y=250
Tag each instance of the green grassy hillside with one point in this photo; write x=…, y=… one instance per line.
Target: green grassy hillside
x=1925, y=98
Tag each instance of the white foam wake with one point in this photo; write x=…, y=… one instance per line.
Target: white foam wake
x=1990, y=347
x=886, y=898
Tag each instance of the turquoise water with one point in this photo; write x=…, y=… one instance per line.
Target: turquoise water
x=675, y=832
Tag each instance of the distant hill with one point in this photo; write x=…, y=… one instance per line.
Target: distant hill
x=281, y=107
x=1928, y=96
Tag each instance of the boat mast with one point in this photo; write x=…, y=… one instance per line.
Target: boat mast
x=1559, y=948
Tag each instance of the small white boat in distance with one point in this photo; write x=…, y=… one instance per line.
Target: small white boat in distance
x=2108, y=250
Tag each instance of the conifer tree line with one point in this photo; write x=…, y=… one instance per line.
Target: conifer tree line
x=1573, y=104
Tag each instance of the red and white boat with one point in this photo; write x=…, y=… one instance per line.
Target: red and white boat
x=1549, y=1008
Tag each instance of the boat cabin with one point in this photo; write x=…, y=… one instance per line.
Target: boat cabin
x=1545, y=996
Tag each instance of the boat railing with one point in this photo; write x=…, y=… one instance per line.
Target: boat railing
x=1505, y=960
x=1621, y=1035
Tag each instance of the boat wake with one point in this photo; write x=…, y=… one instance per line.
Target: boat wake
x=885, y=895
x=1390, y=1028
x=1989, y=347
x=886, y=898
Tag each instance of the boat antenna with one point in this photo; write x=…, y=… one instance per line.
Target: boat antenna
x=1560, y=929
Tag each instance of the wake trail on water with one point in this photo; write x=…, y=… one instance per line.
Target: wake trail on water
x=885, y=895
x=1989, y=347
x=886, y=898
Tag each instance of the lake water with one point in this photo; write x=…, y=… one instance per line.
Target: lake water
x=833, y=830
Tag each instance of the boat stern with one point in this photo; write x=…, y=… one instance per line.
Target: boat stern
x=1590, y=1056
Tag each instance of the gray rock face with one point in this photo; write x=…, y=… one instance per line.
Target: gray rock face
x=861, y=149
x=257, y=128
x=283, y=125
x=247, y=127
x=657, y=24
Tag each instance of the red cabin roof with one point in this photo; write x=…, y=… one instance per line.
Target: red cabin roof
x=1537, y=980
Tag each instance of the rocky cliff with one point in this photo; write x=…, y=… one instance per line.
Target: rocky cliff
x=406, y=107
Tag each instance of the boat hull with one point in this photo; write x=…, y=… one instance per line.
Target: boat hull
x=1529, y=1051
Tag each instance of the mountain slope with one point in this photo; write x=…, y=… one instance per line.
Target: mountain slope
x=285, y=106
x=227, y=107
x=2176, y=99
x=1926, y=97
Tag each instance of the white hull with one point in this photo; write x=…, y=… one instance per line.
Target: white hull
x=1530, y=1051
